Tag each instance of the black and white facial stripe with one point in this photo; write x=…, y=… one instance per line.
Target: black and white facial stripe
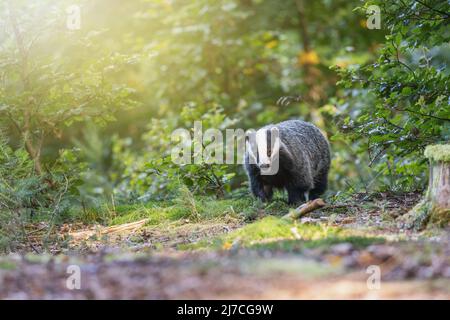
x=263, y=147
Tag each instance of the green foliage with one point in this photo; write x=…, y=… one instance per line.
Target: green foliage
x=26, y=197
x=46, y=87
x=100, y=167
x=18, y=188
x=53, y=77
x=401, y=101
x=225, y=63
x=152, y=173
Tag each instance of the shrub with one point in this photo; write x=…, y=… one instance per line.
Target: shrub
x=400, y=101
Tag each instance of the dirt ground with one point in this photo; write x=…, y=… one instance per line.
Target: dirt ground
x=411, y=265
x=243, y=275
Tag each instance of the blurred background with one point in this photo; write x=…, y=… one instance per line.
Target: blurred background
x=91, y=91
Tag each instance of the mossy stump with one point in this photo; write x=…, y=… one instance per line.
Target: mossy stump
x=434, y=209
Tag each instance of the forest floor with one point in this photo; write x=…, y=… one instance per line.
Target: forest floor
x=238, y=249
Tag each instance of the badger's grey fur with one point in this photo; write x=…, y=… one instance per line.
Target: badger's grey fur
x=304, y=162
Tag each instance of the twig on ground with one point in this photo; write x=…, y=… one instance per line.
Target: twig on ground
x=305, y=208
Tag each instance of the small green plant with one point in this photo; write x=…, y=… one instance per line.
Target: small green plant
x=152, y=173
x=26, y=197
x=187, y=204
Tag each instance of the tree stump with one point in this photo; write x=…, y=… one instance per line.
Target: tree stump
x=434, y=209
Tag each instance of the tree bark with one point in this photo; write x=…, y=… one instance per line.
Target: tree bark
x=439, y=185
x=33, y=150
x=434, y=209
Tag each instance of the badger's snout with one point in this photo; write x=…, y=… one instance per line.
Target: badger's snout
x=264, y=165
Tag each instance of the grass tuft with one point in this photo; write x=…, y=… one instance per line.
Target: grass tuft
x=195, y=209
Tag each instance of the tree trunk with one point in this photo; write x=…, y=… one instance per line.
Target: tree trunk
x=34, y=150
x=434, y=209
x=439, y=185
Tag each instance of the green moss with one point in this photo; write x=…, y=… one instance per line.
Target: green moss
x=90, y=215
x=439, y=152
x=197, y=208
x=194, y=208
x=269, y=227
x=418, y=217
x=156, y=215
x=425, y=215
x=277, y=233
x=440, y=217
x=212, y=208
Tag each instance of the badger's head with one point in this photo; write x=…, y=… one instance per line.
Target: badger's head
x=263, y=148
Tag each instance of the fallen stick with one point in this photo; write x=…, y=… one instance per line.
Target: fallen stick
x=305, y=208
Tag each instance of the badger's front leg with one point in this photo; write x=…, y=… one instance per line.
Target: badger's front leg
x=260, y=190
x=296, y=195
x=268, y=191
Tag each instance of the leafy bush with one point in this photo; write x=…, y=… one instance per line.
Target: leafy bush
x=26, y=197
x=152, y=173
x=401, y=100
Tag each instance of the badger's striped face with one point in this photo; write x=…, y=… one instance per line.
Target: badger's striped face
x=264, y=148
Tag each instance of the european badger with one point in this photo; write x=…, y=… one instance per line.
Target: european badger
x=303, y=156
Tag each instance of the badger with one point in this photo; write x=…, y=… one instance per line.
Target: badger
x=292, y=155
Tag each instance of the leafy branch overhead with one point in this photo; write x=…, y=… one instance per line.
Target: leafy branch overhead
x=408, y=83
x=46, y=87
